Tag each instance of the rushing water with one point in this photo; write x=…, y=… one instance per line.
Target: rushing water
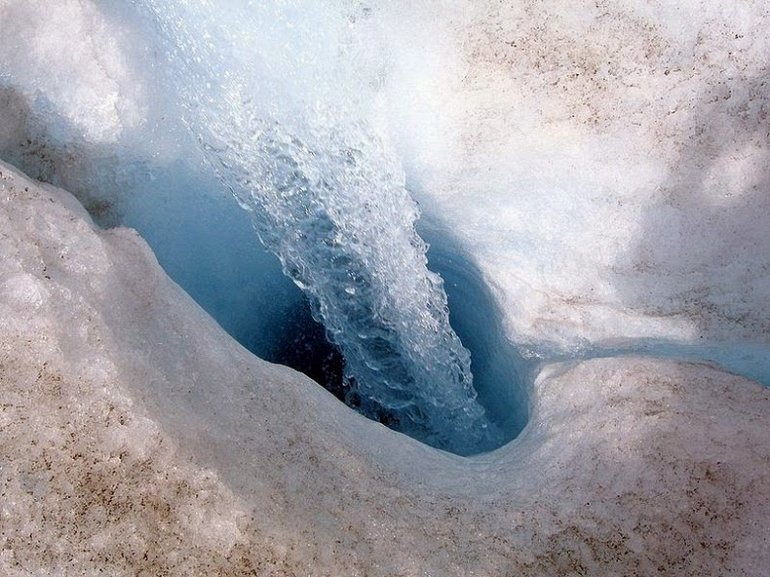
x=281, y=115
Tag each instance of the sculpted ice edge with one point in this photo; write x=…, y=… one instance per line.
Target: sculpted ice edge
x=329, y=200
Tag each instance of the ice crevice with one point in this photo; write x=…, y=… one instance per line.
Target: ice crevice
x=327, y=196
x=309, y=141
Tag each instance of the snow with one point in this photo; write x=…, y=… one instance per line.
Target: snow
x=604, y=172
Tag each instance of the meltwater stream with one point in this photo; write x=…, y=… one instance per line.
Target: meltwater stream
x=283, y=122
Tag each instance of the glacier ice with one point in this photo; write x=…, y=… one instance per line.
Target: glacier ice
x=138, y=437
x=596, y=179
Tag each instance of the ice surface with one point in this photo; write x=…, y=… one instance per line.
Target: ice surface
x=617, y=166
x=604, y=174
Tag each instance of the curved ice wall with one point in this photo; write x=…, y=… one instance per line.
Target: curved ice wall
x=279, y=97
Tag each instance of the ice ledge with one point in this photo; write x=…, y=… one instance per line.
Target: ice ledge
x=138, y=437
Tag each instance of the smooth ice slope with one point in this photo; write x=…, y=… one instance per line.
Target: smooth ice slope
x=138, y=438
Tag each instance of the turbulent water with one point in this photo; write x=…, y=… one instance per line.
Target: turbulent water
x=281, y=115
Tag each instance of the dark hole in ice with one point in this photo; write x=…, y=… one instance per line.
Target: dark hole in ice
x=302, y=345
